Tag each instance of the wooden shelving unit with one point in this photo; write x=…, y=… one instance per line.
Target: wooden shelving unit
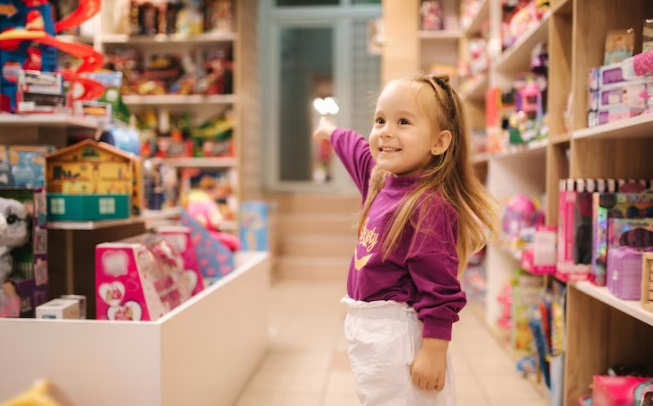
x=516, y=59
x=440, y=35
x=180, y=100
x=481, y=16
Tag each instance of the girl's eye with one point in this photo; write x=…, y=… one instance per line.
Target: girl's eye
x=379, y=121
x=403, y=121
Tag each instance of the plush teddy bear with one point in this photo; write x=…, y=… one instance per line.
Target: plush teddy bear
x=14, y=232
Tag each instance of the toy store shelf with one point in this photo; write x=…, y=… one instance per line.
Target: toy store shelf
x=47, y=120
x=517, y=58
x=481, y=16
x=92, y=225
x=636, y=127
x=632, y=308
x=206, y=38
x=535, y=147
x=442, y=35
x=179, y=99
x=474, y=88
x=563, y=7
x=191, y=162
x=76, y=38
x=151, y=363
x=163, y=214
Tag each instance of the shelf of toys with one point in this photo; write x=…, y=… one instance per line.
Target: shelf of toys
x=586, y=135
x=91, y=212
x=150, y=362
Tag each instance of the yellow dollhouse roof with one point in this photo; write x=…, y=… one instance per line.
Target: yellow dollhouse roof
x=99, y=145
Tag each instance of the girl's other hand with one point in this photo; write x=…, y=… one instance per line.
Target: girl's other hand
x=429, y=366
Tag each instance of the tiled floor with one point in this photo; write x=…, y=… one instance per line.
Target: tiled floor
x=307, y=363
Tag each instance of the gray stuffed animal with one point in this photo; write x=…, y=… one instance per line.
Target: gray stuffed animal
x=14, y=231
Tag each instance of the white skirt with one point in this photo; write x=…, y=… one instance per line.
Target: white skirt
x=383, y=337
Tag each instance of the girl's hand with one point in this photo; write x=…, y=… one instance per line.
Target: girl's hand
x=430, y=365
x=324, y=129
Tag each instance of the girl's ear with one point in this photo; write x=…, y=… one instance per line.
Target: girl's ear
x=442, y=143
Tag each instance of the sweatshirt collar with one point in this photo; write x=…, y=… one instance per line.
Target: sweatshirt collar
x=401, y=181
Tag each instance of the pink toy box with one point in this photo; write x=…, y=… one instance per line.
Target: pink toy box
x=574, y=229
x=141, y=278
x=180, y=238
x=608, y=206
x=624, y=277
x=540, y=257
x=622, y=391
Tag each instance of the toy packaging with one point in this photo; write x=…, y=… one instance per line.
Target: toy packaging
x=624, y=276
x=58, y=309
x=81, y=303
x=23, y=263
x=647, y=36
x=23, y=166
x=180, y=238
x=619, y=45
x=574, y=230
x=605, y=207
x=40, y=92
x=214, y=259
x=647, y=281
x=622, y=391
x=254, y=226
x=141, y=278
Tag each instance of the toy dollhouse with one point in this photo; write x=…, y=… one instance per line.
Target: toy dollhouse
x=90, y=180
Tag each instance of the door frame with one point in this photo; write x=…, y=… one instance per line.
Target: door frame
x=272, y=20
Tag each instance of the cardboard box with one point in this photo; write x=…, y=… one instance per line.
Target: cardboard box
x=58, y=309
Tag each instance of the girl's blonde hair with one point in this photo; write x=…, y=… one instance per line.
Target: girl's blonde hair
x=450, y=174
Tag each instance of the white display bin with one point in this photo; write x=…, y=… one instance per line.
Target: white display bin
x=202, y=353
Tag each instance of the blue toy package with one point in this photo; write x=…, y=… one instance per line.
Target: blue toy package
x=213, y=258
x=23, y=166
x=112, y=82
x=539, y=337
x=254, y=227
x=24, y=55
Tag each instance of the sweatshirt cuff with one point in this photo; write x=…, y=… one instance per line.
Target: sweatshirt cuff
x=336, y=133
x=437, y=328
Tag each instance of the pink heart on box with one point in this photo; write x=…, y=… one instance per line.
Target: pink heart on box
x=204, y=262
x=112, y=293
x=211, y=272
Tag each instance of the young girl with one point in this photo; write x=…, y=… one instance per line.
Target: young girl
x=424, y=213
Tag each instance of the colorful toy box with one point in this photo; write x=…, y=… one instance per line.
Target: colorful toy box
x=141, y=278
x=90, y=181
x=574, y=230
x=624, y=277
x=622, y=391
x=647, y=281
x=23, y=166
x=58, y=309
x=214, y=259
x=254, y=226
x=613, y=205
x=25, y=269
x=180, y=238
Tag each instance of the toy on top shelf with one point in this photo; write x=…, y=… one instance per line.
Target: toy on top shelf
x=175, y=17
x=519, y=17
x=90, y=181
x=25, y=22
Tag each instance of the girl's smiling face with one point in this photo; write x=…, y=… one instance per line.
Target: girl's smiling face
x=403, y=139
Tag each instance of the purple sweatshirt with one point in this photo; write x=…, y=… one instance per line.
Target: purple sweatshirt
x=422, y=269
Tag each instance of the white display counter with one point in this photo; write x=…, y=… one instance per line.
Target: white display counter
x=202, y=353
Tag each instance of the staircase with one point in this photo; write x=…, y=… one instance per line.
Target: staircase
x=314, y=236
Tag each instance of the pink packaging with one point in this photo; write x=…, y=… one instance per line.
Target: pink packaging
x=574, y=231
x=624, y=278
x=141, y=278
x=622, y=391
x=540, y=258
x=179, y=237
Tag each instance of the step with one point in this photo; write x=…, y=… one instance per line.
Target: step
x=305, y=223
x=318, y=268
x=330, y=246
x=316, y=203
